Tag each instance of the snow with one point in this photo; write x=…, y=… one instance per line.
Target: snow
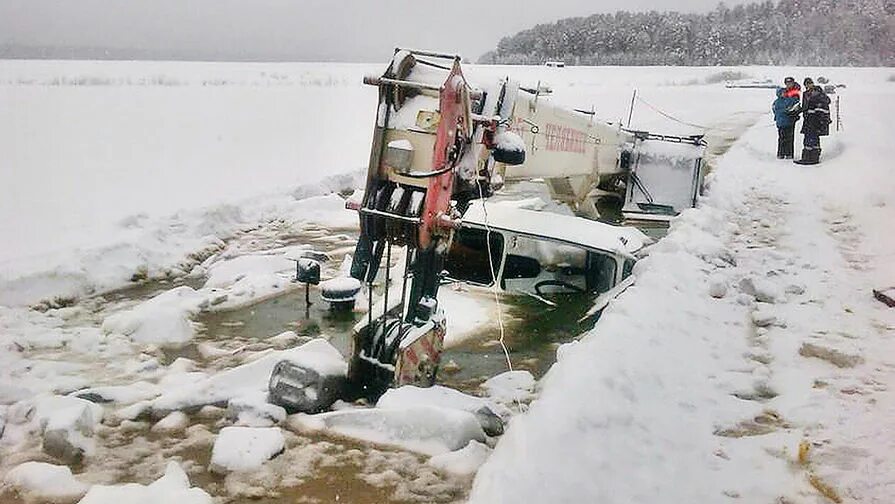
x=509, y=141
x=463, y=462
x=251, y=378
x=39, y=481
x=173, y=486
x=616, y=239
x=429, y=430
x=437, y=395
x=68, y=425
x=175, y=421
x=510, y=387
x=162, y=319
x=646, y=406
x=678, y=395
x=253, y=410
x=245, y=448
x=120, y=394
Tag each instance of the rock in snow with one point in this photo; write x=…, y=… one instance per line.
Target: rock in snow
x=173, y=487
x=41, y=482
x=464, y=462
x=430, y=430
x=245, y=448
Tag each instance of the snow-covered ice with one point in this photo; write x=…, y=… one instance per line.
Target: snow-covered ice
x=251, y=378
x=463, y=462
x=693, y=387
x=42, y=482
x=245, y=448
x=173, y=486
x=778, y=393
x=430, y=430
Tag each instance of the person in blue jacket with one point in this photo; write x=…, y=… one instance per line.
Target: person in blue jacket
x=786, y=114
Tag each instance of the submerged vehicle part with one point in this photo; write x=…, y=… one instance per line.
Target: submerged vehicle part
x=439, y=144
x=539, y=253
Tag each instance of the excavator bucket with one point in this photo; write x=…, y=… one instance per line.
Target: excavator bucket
x=665, y=176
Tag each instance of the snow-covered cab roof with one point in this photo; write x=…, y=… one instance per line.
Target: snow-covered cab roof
x=575, y=230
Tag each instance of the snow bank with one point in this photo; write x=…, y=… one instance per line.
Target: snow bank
x=245, y=448
x=164, y=319
x=251, y=378
x=173, y=486
x=42, y=482
x=685, y=392
x=429, y=430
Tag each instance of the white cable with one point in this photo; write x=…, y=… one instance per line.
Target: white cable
x=506, y=353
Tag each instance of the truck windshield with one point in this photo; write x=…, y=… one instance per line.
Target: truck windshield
x=467, y=259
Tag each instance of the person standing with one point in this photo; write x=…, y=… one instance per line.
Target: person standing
x=786, y=114
x=816, y=112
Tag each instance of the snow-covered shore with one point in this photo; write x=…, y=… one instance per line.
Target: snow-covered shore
x=750, y=361
x=750, y=332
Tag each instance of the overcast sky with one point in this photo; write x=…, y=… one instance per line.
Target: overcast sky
x=296, y=30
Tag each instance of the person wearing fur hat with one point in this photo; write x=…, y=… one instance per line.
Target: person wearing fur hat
x=816, y=114
x=786, y=114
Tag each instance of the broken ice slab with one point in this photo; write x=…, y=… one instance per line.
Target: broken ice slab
x=429, y=430
x=174, y=486
x=68, y=425
x=42, y=482
x=464, y=462
x=252, y=377
x=245, y=448
x=490, y=415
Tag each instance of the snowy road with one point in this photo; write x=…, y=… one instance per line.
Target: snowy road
x=751, y=332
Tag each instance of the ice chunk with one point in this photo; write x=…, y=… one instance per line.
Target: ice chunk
x=122, y=394
x=164, y=319
x=245, y=448
x=410, y=395
x=717, y=286
x=174, y=486
x=761, y=289
x=464, y=462
x=174, y=422
x=252, y=377
x=429, y=430
x=510, y=387
x=68, y=425
x=42, y=482
x=253, y=410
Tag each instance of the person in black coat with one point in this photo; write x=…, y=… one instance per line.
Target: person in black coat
x=815, y=123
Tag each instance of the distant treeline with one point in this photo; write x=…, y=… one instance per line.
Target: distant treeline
x=790, y=32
